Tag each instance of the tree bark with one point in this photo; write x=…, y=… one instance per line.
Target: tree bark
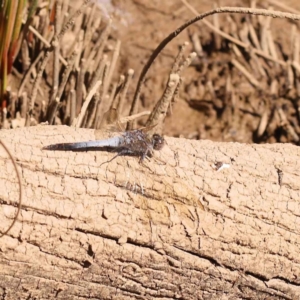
x=128, y=231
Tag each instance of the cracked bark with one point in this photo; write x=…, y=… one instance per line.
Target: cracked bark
x=127, y=231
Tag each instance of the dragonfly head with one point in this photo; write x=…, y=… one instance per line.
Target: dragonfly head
x=157, y=141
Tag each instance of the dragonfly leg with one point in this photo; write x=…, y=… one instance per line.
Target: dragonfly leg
x=120, y=153
x=106, y=162
x=145, y=155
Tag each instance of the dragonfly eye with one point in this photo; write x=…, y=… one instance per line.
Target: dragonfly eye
x=157, y=141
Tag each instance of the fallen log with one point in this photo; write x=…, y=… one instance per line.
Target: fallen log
x=131, y=231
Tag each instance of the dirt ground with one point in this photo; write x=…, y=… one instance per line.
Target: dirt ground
x=194, y=116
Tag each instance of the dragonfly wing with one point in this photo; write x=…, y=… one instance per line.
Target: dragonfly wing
x=110, y=123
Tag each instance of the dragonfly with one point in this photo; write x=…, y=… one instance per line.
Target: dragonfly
x=133, y=143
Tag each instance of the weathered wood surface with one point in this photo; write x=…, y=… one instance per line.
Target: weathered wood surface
x=127, y=231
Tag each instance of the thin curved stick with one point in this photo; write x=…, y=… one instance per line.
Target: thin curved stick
x=20, y=188
x=170, y=37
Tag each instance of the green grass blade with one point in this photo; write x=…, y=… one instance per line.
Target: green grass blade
x=16, y=33
x=7, y=23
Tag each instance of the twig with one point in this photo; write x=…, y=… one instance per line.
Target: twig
x=179, y=57
x=80, y=48
x=4, y=118
x=256, y=64
x=285, y=123
x=98, y=75
x=296, y=66
x=105, y=78
x=243, y=70
x=89, y=112
x=216, y=25
x=96, y=121
x=64, y=10
x=236, y=50
x=116, y=53
x=159, y=112
x=37, y=34
x=24, y=103
x=271, y=44
x=55, y=71
x=244, y=33
x=37, y=82
x=67, y=112
x=25, y=56
x=72, y=105
x=77, y=122
x=111, y=115
x=28, y=73
x=101, y=43
x=290, y=76
x=295, y=44
x=274, y=89
x=113, y=94
x=66, y=73
x=92, y=110
x=197, y=44
x=71, y=21
x=253, y=35
x=91, y=28
x=265, y=25
x=99, y=113
x=52, y=110
x=80, y=84
x=124, y=90
x=20, y=189
x=211, y=90
x=263, y=123
x=186, y=62
x=133, y=117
